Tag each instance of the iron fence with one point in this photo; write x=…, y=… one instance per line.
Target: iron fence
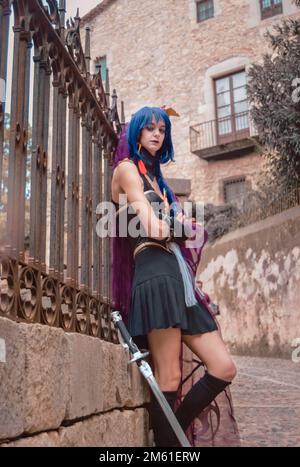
x=56, y=148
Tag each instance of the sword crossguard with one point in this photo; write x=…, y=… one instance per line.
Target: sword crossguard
x=138, y=356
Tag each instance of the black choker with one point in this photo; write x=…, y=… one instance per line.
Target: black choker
x=149, y=162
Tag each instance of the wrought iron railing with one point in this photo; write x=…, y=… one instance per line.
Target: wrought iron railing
x=55, y=155
x=221, y=131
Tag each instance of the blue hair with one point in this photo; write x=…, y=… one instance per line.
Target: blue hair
x=140, y=120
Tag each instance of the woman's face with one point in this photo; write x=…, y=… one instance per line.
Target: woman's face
x=153, y=135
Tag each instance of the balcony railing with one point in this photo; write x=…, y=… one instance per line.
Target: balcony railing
x=228, y=135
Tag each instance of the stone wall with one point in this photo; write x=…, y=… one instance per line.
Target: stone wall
x=158, y=54
x=254, y=276
x=65, y=389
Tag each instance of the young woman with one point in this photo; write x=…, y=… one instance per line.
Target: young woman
x=153, y=274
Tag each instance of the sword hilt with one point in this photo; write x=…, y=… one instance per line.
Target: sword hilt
x=119, y=323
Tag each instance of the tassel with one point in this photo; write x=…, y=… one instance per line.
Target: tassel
x=188, y=283
x=142, y=167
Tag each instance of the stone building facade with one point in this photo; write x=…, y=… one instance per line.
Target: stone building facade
x=194, y=56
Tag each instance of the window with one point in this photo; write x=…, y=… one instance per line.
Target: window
x=235, y=190
x=102, y=61
x=270, y=8
x=231, y=105
x=205, y=10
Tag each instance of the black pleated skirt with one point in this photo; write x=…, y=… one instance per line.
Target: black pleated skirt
x=157, y=300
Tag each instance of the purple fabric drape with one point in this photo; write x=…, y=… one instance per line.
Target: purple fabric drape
x=122, y=260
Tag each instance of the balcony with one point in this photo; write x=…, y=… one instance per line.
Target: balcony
x=224, y=138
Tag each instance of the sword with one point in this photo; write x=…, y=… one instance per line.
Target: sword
x=145, y=369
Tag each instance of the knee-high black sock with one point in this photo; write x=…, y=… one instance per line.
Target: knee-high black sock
x=199, y=396
x=163, y=433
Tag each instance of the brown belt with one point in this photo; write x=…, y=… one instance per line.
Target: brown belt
x=145, y=245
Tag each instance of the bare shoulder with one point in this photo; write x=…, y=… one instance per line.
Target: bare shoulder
x=125, y=178
x=127, y=170
x=125, y=164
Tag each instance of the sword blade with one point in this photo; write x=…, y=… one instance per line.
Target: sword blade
x=146, y=371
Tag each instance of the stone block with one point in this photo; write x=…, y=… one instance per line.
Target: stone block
x=140, y=392
x=47, y=377
x=42, y=440
x=12, y=379
x=127, y=428
x=116, y=377
x=86, y=376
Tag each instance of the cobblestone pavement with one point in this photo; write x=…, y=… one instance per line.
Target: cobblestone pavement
x=266, y=398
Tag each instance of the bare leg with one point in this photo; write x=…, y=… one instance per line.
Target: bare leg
x=211, y=350
x=165, y=346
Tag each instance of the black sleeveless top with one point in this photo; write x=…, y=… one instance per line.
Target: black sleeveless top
x=125, y=215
